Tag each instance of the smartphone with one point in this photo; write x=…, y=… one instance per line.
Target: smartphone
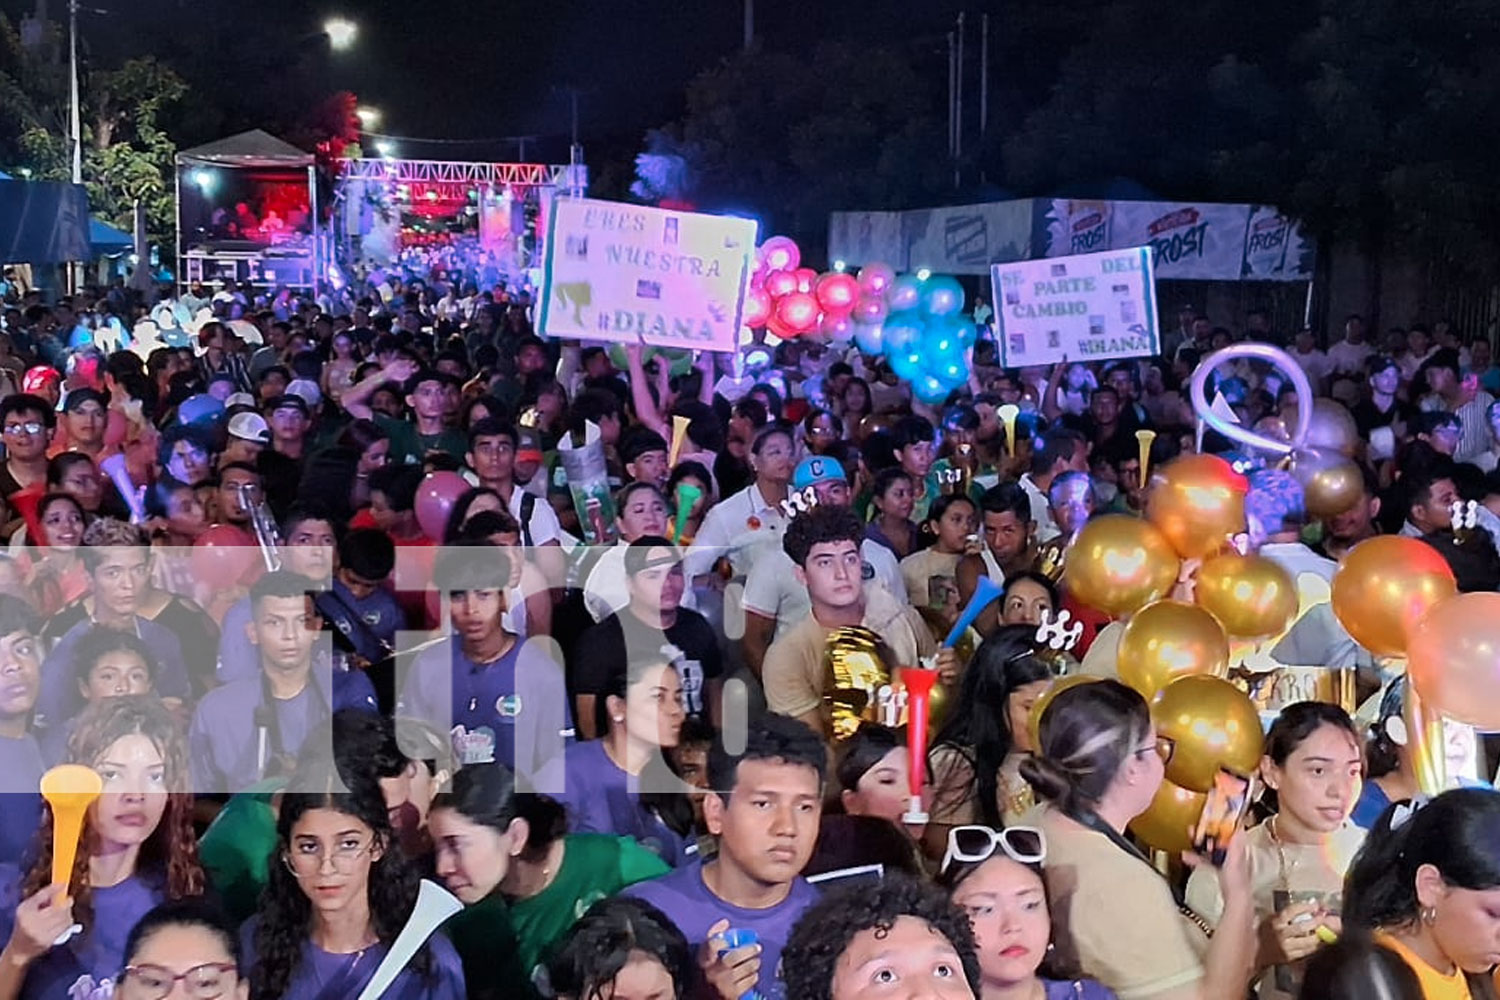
x=1222, y=811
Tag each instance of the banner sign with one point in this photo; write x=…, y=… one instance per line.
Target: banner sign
x=1087, y=307
x=618, y=272
x=956, y=239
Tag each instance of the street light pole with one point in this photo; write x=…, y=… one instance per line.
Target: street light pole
x=749, y=24
x=75, y=115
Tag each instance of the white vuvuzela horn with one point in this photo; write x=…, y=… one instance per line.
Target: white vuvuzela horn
x=114, y=468
x=434, y=905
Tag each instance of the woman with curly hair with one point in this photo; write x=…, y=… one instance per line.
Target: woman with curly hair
x=903, y=935
x=137, y=851
x=339, y=893
x=625, y=949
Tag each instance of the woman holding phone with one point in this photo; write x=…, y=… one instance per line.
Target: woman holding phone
x=1312, y=770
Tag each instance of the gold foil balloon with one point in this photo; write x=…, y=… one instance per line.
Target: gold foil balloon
x=854, y=672
x=1384, y=587
x=1454, y=659
x=1197, y=502
x=1167, y=823
x=1332, y=429
x=1251, y=596
x=1058, y=686
x=1215, y=725
x=1169, y=640
x=1331, y=483
x=1119, y=564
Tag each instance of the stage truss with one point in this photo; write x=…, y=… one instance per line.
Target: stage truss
x=456, y=174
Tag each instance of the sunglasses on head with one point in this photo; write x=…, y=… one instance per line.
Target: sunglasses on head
x=1026, y=845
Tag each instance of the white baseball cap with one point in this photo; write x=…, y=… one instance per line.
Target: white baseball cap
x=250, y=427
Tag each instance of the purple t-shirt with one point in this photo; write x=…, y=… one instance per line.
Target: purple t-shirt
x=224, y=740
x=1076, y=989
x=60, y=699
x=21, y=770
x=601, y=798
x=321, y=975
x=692, y=906
x=92, y=959
x=514, y=710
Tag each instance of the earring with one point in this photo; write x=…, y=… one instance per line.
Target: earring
x=1429, y=915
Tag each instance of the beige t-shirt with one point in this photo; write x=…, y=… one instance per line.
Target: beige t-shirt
x=953, y=789
x=1113, y=915
x=1308, y=871
x=793, y=672
x=919, y=569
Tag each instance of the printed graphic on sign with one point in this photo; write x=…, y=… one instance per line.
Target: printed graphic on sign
x=1087, y=307
x=617, y=272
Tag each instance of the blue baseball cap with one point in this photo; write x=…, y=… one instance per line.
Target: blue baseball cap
x=815, y=469
x=201, y=408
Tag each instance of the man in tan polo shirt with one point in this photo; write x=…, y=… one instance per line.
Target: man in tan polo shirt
x=824, y=545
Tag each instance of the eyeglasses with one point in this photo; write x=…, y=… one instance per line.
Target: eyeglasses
x=17, y=430
x=1164, y=747
x=152, y=982
x=302, y=861
x=1026, y=845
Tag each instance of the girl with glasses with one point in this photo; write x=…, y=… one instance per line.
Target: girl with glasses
x=188, y=943
x=137, y=851
x=995, y=877
x=1298, y=857
x=339, y=893
x=1098, y=765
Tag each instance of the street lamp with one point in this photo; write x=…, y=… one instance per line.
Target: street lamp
x=368, y=117
x=340, y=32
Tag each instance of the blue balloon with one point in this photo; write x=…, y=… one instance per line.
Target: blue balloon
x=942, y=296
x=903, y=332
x=945, y=337
x=969, y=335
x=905, y=293
x=907, y=365
x=870, y=337
x=930, y=389
x=952, y=373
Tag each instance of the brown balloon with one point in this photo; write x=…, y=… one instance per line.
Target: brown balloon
x=1119, y=564
x=1214, y=724
x=1332, y=429
x=1169, y=640
x=1197, y=502
x=1331, y=483
x=1167, y=823
x=1058, y=686
x=1250, y=595
x=1384, y=587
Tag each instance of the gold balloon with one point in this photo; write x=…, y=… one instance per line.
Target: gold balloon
x=1332, y=429
x=1058, y=686
x=1251, y=596
x=1331, y=483
x=1119, y=564
x=854, y=672
x=1215, y=725
x=1169, y=640
x=1454, y=659
x=1384, y=587
x=1167, y=823
x=1197, y=502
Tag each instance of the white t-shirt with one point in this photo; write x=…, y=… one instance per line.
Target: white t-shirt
x=1041, y=511
x=544, y=526
x=772, y=590
x=1345, y=357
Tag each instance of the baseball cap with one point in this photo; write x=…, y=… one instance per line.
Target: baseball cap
x=429, y=375
x=239, y=399
x=816, y=469
x=528, y=444
x=288, y=400
x=250, y=427
x=201, y=408
x=39, y=378
x=650, y=552
x=83, y=394
x=307, y=389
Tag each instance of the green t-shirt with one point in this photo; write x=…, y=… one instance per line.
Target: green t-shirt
x=409, y=447
x=485, y=940
x=236, y=848
x=594, y=866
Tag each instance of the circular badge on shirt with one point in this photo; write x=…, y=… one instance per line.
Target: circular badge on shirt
x=508, y=706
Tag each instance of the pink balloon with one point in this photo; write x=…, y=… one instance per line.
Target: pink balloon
x=436, y=495
x=837, y=327
x=807, y=279
x=875, y=278
x=757, y=307
x=781, y=253
x=837, y=293
x=115, y=428
x=798, y=312
x=781, y=283
x=225, y=556
x=870, y=309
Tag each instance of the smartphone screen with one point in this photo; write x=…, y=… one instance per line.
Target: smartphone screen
x=1222, y=811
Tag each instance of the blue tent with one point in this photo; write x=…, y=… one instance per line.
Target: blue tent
x=107, y=241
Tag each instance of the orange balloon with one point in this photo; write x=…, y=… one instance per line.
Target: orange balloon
x=1384, y=587
x=1058, y=686
x=1215, y=725
x=1454, y=659
x=1167, y=823
x=1119, y=564
x=1251, y=596
x=1169, y=640
x=1331, y=484
x=1197, y=502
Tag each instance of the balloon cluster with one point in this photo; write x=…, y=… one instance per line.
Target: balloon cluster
x=924, y=336
x=790, y=300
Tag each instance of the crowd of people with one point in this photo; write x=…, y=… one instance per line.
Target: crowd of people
x=652, y=748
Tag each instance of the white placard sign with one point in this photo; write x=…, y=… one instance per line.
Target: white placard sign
x=618, y=272
x=1087, y=307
